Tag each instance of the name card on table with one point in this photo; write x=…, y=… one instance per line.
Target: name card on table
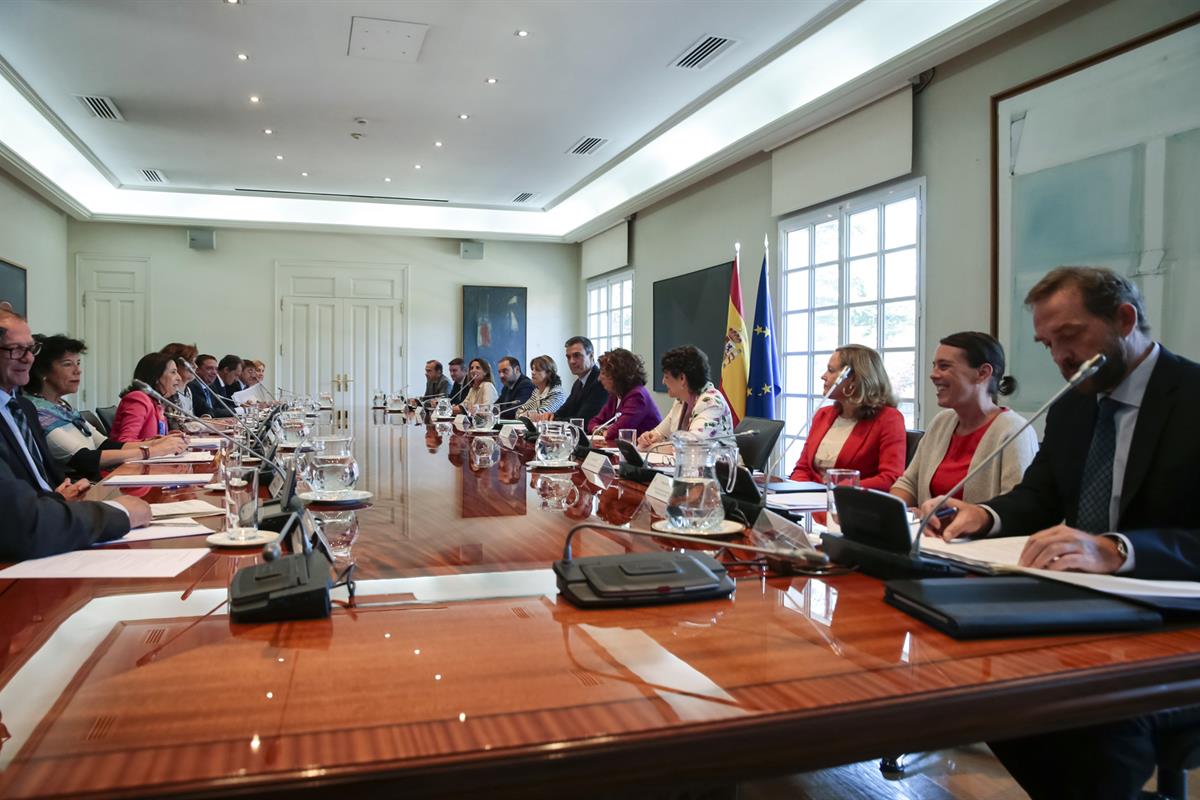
x=461, y=423
x=598, y=470
x=659, y=488
x=509, y=436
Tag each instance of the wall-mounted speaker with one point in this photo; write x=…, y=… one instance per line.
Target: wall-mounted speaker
x=470, y=249
x=202, y=239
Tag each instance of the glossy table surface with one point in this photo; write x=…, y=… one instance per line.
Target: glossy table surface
x=458, y=669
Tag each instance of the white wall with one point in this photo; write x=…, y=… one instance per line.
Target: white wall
x=33, y=234
x=222, y=299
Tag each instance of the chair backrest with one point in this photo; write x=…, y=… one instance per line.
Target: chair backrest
x=92, y=419
x=911, y=440
x=756, y=449
x=108, y=415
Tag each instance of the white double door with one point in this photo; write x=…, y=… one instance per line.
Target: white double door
x=111, y=305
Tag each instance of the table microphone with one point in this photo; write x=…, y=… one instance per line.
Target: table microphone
x=1085, y=371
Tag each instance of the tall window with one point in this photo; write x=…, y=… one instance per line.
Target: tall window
x=851, y=275
x=610, y=311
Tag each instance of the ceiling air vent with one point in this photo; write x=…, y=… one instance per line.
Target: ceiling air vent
x=587, y=145
x=101, y=107
x=524, y=197
x=703, y=52
x=153, y=176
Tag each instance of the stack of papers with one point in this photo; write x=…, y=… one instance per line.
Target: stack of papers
x=204, y=442
x=181, y=458
x=182, y=526
x=798, y=501
x=140, y=563
x=195, y=508
x=160, y=479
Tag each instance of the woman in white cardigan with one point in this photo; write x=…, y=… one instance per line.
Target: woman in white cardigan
x=968, y=378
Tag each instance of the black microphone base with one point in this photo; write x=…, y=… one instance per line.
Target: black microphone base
x=292, y=587
x=642, y=579
x=884, y=564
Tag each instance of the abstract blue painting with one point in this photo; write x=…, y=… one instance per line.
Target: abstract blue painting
x=494, y=324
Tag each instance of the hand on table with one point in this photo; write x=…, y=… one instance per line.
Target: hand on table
x=1064, y=548
x=139, y=510
x=73, y=491
x=969, y=519
x=647, y=439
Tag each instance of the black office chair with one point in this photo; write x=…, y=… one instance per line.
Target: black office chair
x=107, y=415
x=756, y=449
x=911, y=440
x=92, y=419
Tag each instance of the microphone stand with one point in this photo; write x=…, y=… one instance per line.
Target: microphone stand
x=841, y=378
x=1085, y=371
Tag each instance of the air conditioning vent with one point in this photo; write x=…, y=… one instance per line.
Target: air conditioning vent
x=101, y=107
x=703, y=52
x=587, y=145
x=524, y=197
x=153, y=176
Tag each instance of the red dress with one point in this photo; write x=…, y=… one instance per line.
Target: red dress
x=875, y=448
x=957, y=461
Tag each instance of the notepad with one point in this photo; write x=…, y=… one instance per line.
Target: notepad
x=142, y=563
x=195, y=508
x=184, y=526
x=801, y=501
x=204, y=442
x=160, y=479
x=179, y=458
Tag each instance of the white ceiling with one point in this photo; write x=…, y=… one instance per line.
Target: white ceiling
x=587, y=68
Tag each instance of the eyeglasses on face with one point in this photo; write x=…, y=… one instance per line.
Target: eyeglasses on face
x=16, y=351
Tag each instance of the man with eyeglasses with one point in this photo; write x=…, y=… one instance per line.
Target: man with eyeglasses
x=39, y=520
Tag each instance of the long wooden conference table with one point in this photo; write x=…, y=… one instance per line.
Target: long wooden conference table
x=459, y=671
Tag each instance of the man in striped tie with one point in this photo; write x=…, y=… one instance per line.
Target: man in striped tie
x=1110, y=491
x=38, y=519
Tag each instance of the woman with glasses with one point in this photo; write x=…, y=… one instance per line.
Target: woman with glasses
x=139, y=416
x=81, y=449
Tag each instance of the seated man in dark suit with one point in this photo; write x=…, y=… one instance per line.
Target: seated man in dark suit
x=460, y=386
x=436, y=384
x=38, y=520
x=229, y=376
x=1110, y=491
x=587, y=395
x=206, y=401
x=517, y=387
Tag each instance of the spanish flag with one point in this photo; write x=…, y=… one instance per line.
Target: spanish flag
x=735, y=366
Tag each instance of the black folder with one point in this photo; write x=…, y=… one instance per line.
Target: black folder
x=1018, y=605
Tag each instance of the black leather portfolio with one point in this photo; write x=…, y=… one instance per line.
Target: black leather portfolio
x=1019, y=605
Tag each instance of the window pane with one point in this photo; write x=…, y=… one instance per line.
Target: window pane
x=795, y=414
x=602, y=324
x=827, y=241
x=627, y=290
x=826, y=293
x=796, y=368
x=820, y=362
x=900, y=273
x=627, y=342
x=627, y=320
x=900, y=324
x=900, y=223
x=593, y=300
x=797, y=332
x=864, y=232
x=797, y=248
x=825, y=329
x=864, y=325
x=593, y=327
x=910, y=415
x=864, y=279
x=901, y=366
x=791, y=454
x=797, y=290
x=614, y=324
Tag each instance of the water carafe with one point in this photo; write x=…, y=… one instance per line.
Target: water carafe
x=695, y=502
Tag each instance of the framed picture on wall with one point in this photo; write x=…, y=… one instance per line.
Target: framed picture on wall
x=494, y=324
x=13, y=286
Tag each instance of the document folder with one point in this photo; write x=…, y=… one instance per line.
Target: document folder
x=972, y=608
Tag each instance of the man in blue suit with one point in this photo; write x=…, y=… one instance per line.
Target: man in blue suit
x=206, y=401
x=517, y=388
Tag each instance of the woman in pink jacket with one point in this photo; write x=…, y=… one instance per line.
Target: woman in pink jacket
x=139, y=416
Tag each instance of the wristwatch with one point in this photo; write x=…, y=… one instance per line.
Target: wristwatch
x=1122, y=547
x=145, y=448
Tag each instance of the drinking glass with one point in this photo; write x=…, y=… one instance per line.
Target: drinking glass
x=483, y=417
x=556, y=492
x=330, y=472
x=334, y=444
x=555, y=441
x=340, y=529
x=241, y=501
x=579, y=423
x=628, y=435
x=837, y=477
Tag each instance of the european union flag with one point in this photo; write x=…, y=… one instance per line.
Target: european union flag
x=764, y=384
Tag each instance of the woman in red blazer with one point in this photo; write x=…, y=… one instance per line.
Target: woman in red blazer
x=140, y=416
x=863, y=419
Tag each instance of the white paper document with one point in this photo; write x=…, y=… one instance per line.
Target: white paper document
x=179, y=458
x=999, y=553
x=160, y=479
x=255, y=394
x=204, y=442
x=176, y=528
x=142, y=563
x=798, y=501
x=194, y=508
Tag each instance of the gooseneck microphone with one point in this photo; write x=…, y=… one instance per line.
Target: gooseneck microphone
x=154, y=393
x=1085, y=371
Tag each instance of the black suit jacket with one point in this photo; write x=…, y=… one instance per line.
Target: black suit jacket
x=458, y=393
x=205, y=400
x=584, y=403
x=1160, y=475
x=17, y=463
x=514, y=396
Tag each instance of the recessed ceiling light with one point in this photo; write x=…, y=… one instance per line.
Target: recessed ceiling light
x=268, y=131
x=242, y=57
x=416, y=166
x=254, y=98
x=387, y=180
x=279, y=158
x=232, y=2
x=464, y=116
x=437, y=144
x=521, y=33
x=303, y=174
x=493, y=81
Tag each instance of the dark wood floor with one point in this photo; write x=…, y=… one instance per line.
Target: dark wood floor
x=962, y=773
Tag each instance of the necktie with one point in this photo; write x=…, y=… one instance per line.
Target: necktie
x=18, y=415
x=1095, y=490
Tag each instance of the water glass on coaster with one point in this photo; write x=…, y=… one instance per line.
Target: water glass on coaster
x=834, y=478
x=241, y=501
x=628, y=435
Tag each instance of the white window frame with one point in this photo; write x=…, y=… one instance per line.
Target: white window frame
x=791, y=443
x=605, y=284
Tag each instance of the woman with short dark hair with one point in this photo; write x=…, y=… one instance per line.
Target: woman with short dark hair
x=139, y=416
x=80, y=448
x=548, y=392
x=629, y=405
x=700, y=410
